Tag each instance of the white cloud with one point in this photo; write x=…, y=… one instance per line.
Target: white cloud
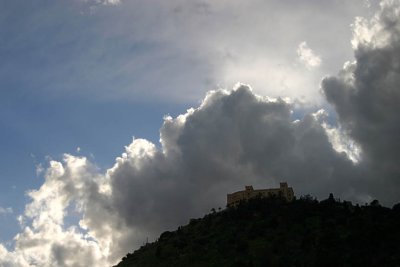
x=5, y=210
x=111, y=2
x=44, y=239
x=342, y=142
x=380, y=31
x=103, y=2
x=307, y=56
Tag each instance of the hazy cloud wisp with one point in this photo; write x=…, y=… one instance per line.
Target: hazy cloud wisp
x=5, y=210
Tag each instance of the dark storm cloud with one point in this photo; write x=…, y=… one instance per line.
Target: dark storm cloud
x=234, y=138
x=366, y=96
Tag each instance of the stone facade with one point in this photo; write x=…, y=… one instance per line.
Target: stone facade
x=283, y=191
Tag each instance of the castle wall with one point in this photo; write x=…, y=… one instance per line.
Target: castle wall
x=283, y=191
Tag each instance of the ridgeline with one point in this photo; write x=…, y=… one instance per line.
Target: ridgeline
x=273, y=232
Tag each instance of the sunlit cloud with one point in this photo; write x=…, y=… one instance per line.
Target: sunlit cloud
x=307, y=56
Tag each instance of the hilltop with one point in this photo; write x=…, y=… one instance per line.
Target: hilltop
x=273, y=232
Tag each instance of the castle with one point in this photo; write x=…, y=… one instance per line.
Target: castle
x=283, y=191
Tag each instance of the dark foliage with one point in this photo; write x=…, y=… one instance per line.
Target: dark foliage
x=272, y=232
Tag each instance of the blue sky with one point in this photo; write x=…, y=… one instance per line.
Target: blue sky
x=58, y=74
x=92, y=74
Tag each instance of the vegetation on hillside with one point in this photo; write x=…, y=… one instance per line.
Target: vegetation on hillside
x=273, y=232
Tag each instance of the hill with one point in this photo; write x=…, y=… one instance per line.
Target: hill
x=273, y=232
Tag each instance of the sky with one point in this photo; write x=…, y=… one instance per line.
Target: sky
x=121, y=119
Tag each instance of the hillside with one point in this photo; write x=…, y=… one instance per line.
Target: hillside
x=272, y=232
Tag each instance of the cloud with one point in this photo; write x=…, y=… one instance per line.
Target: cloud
x=307, y=56
x=5, y=210
x=366, y=96
x=111, y=2
x=81, y=216
x=103, y=2
x=108, y=54
x=342, y=143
